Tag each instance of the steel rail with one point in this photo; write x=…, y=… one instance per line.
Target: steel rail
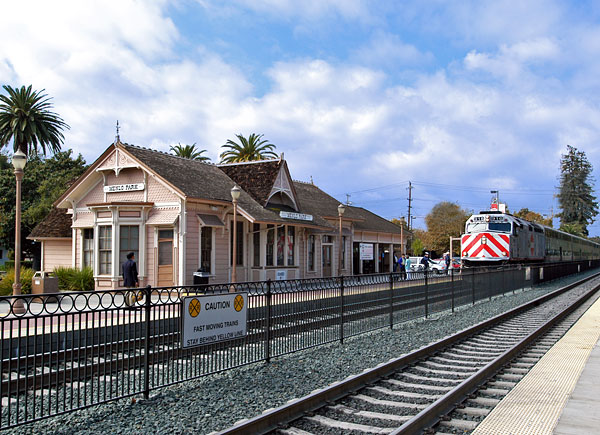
x=274, y=418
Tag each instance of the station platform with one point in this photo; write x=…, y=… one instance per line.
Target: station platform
x=560, y=394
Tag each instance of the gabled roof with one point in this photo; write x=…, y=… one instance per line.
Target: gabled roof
x=56, y=225
x=256, y=178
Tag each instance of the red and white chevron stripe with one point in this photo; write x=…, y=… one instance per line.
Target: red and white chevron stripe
x=489, y=246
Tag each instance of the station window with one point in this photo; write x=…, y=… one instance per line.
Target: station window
x=291, y=232
x=280, y=245
x=129, y=241
x=105, y=249
x=88, y=247
x=239, y=259
x=343, y=252
x=206, y=249
x=270, y=244
x=256, y=245
x=311, y=253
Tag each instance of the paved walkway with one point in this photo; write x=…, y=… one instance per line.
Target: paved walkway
x=560, y=394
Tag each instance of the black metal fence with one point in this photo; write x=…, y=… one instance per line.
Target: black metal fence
x=69, y=351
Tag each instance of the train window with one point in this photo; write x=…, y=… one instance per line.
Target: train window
x=502, y=226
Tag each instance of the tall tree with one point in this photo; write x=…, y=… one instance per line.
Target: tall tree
x=250, y=149
x=189, y=152
x=27, y=119
x=575, y=197
x=532, y=216
x=445, y=220
x=44, y=180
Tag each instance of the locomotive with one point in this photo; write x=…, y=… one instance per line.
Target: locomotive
x=496, y=237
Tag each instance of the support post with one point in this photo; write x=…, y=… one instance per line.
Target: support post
x=268, y=326
x=426, y=294
x=452, y=284
x=473, y=284
x=147, y=309
x=341, y=309
x=391, y=301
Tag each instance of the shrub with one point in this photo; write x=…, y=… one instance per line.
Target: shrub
x=74, y=279
x=8, y=280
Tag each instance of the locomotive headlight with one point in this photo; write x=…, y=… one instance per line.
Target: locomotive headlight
x=465, y=254
x=503, y=253
x=484, y=240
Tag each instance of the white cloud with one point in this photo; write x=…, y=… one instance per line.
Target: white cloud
x=388, y=50
x=306, y=9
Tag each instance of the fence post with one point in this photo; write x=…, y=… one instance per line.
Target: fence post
x=268, y=326
x=391, y=300
x=341, y=308
x=489, y=272
x=473, y=284
x=147, y=308
x=426, y=294
x=452, y=284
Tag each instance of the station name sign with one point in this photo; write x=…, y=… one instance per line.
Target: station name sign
x=124, y=187
x=297, y=216
x=213, y=318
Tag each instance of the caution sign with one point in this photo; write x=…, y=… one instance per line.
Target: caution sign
x=214, y=318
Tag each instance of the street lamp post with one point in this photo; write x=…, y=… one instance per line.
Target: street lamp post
x=235, y=194
x=19, y=160
x=341, y=210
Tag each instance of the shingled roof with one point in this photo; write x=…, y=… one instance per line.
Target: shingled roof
x=256, y=178
x=56, y=225
x=320, y=203
x=372, y=222
x=196, y=179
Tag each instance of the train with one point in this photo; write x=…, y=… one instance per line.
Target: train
x=495, y=237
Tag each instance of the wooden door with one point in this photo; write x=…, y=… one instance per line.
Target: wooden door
x=165, y=258
x=326, y=260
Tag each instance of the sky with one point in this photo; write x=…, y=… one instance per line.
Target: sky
x=459, y=98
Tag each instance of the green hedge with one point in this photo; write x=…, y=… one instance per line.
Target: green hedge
x=8, y=280
x=74, y=279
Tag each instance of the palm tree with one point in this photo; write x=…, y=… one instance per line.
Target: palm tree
x=189, y=152
x=26, y=118
x=253, y=148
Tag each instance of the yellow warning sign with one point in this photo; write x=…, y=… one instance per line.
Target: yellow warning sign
x=194, y=307
x=238, y=303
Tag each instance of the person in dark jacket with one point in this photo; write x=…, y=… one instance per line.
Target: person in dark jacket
x=130, y=278
x=425, y=262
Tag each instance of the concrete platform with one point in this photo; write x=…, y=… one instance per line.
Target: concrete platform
x=561, y=393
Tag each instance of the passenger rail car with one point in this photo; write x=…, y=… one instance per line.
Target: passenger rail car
x=495, y=237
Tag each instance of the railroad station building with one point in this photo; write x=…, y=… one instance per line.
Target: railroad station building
x=176, y=215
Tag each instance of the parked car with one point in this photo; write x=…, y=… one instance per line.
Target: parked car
x=415, y=264
x=438, y=265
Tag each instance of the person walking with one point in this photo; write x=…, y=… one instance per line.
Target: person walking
x=447, y=261
x=130, y=279
x=407, y=264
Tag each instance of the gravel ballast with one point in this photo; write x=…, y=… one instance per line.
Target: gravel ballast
x=216, y=402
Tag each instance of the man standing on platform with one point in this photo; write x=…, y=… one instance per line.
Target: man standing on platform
x=130, y=279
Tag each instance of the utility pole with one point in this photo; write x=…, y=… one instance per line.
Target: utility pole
x=348, y=198
x=409, y=204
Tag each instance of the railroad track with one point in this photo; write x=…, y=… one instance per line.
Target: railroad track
x=447, y=387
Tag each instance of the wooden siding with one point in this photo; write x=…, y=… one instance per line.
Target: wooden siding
x=57, y=253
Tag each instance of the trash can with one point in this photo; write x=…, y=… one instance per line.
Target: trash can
x=201, y=277
x=44, y=282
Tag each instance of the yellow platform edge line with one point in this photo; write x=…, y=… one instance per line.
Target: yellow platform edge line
x=536, y=403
